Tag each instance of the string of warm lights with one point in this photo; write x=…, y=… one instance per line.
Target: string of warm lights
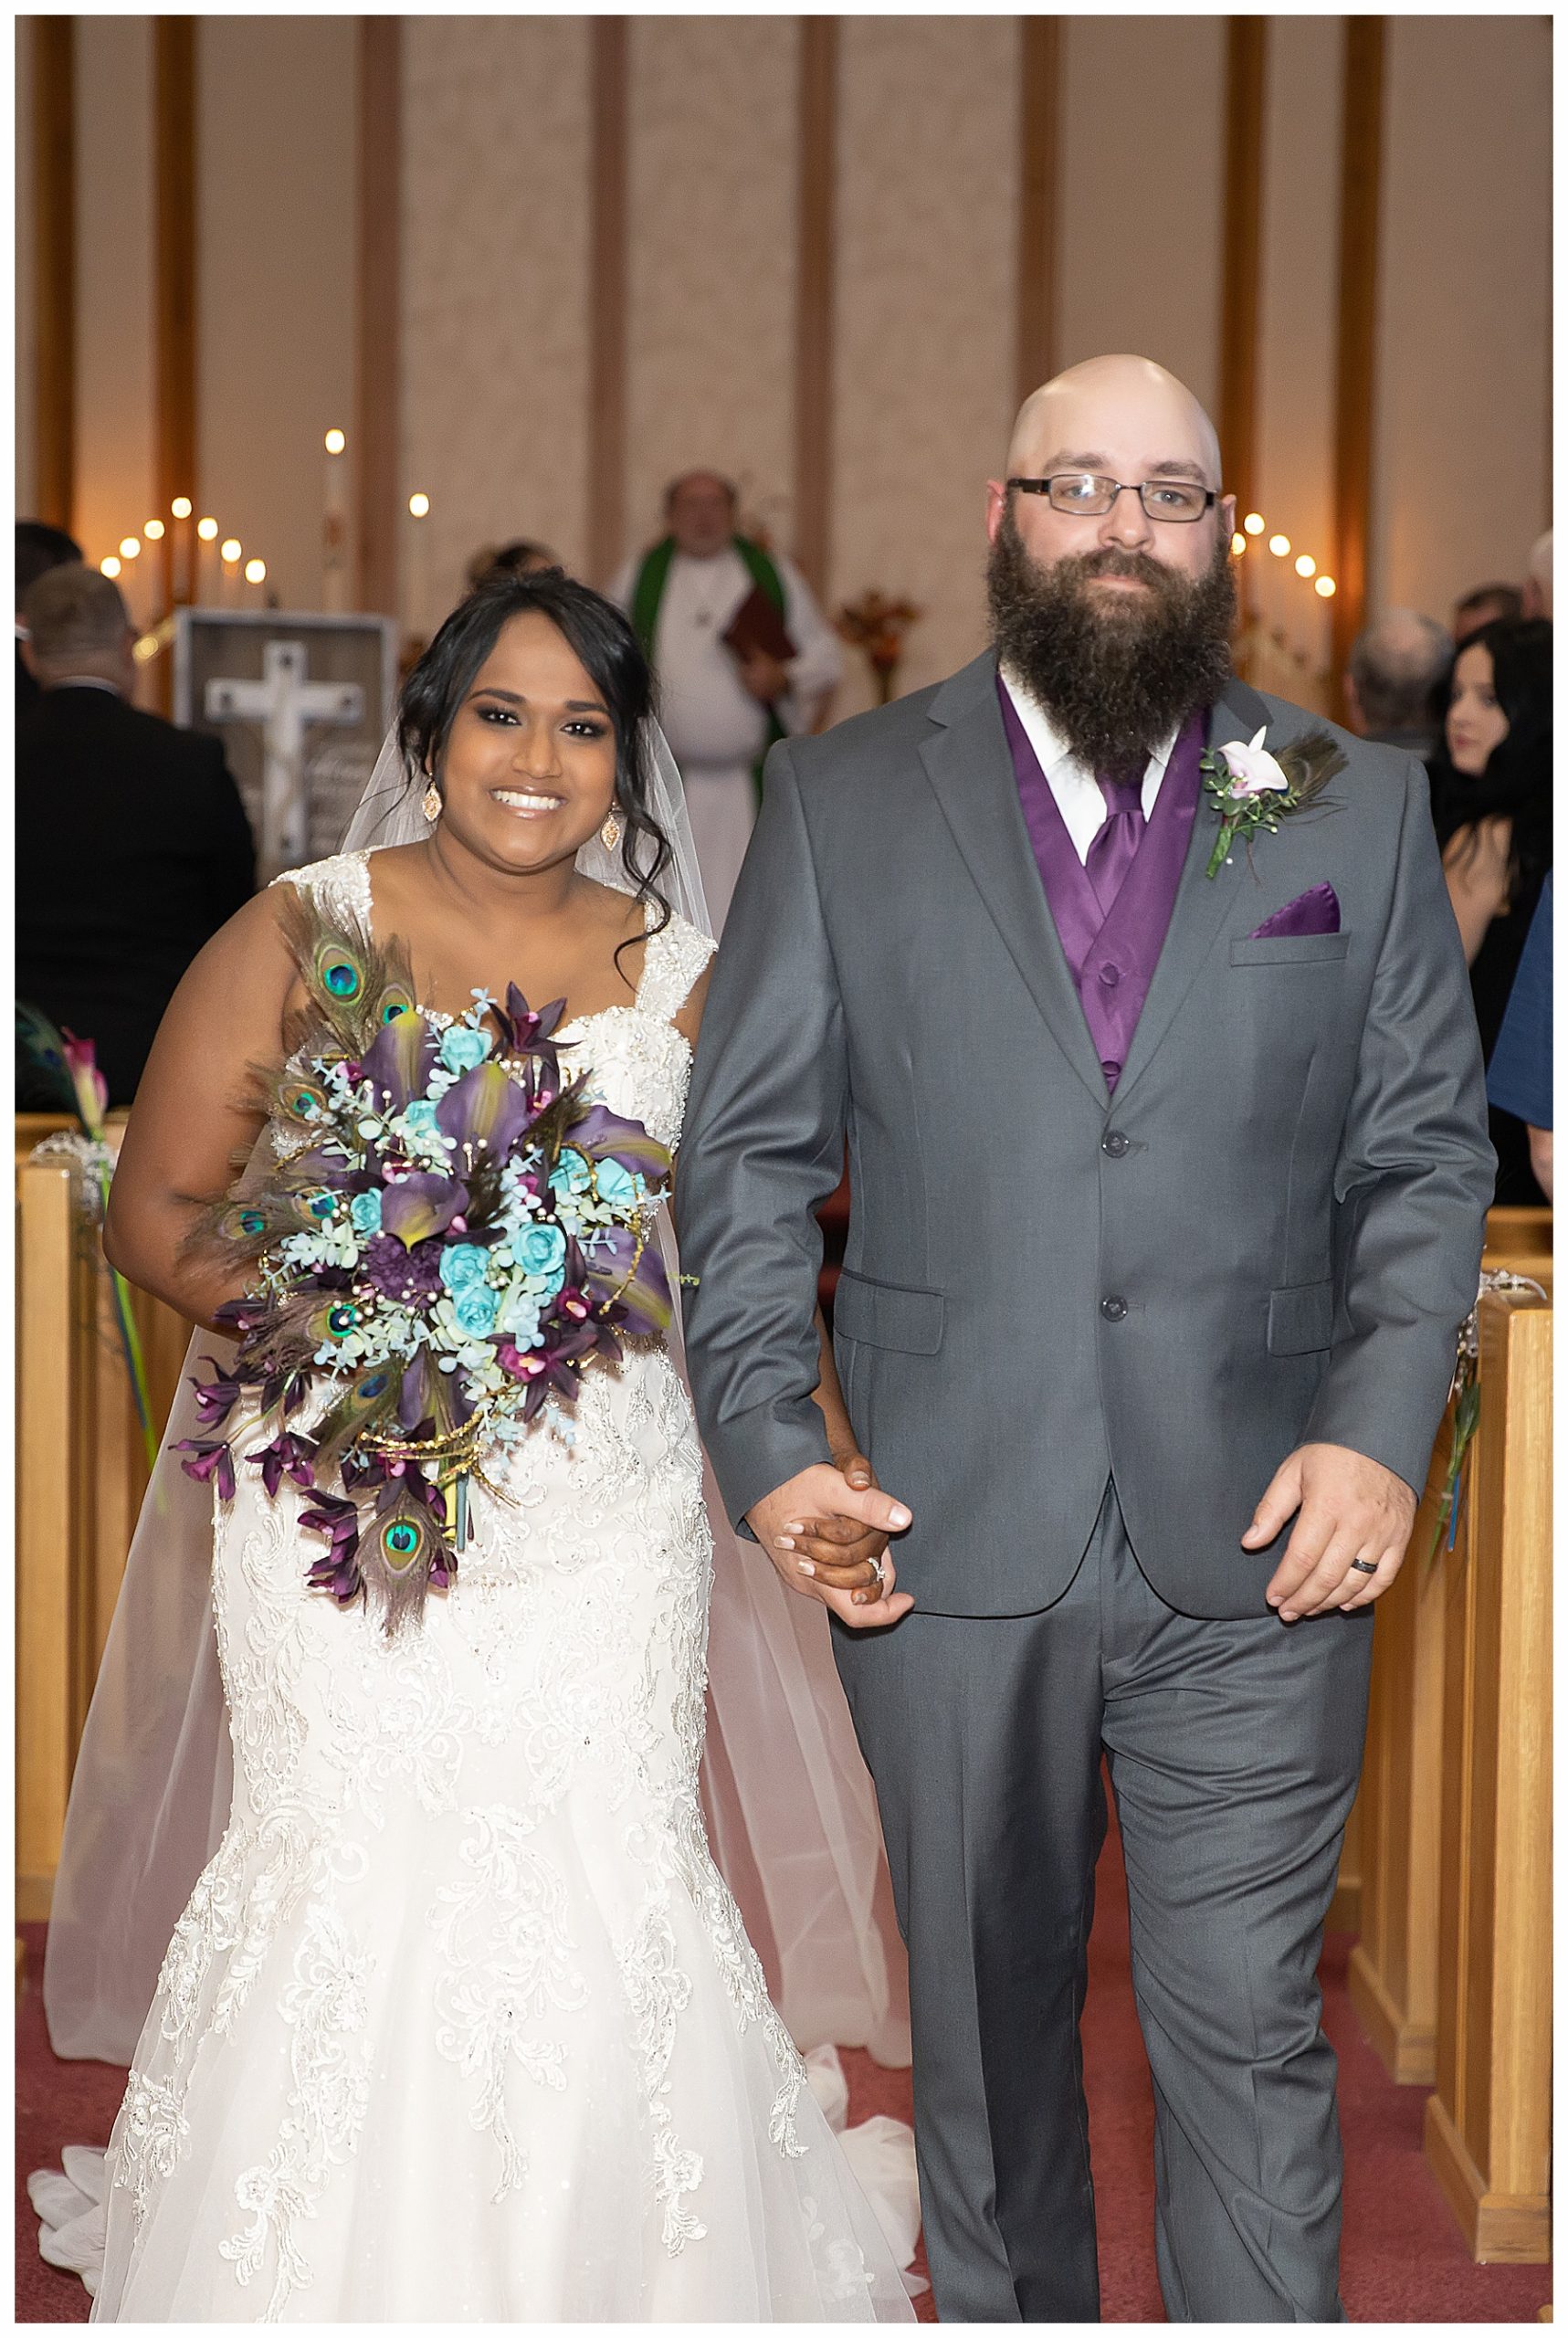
x=230, y=552
x=1306, y=568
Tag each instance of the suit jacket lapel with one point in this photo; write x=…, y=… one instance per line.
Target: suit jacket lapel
x=969, y=766
x=1202, y=903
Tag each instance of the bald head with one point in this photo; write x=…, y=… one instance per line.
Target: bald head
x=1107, y=402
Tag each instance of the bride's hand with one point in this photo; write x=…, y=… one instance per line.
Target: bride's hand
x=826, y=1532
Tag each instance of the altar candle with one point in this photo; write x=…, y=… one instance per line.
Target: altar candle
x=255, y=577
x=418, y=599
x=335, y=526
x=131, y=588
x=182, y=566
x=207, y=570
x=229, y=552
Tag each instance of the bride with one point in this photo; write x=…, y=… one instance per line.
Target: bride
x=461, y=2022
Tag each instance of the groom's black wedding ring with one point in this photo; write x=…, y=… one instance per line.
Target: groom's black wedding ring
x=1364, y=1566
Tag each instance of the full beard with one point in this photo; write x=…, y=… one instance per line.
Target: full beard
x=1115, y=680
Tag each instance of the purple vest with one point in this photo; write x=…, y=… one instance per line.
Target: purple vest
x=1111, y=959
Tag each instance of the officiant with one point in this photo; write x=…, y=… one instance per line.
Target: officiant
x=742, y=656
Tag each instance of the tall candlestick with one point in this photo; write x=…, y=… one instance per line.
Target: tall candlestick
x=418, y=602
x=182, y=563
x=229, y=552
x=336, y=527
x=208, y=572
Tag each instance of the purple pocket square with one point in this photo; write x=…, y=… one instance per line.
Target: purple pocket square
x=1316, y=911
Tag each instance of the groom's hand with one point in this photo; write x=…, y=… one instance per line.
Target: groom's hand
x=1346, y=1507
x=800, y=1526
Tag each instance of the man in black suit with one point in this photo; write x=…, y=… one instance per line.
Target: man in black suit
x=132, y=847
x=40, y=547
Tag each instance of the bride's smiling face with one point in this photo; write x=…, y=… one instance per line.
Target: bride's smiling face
x=528, y=772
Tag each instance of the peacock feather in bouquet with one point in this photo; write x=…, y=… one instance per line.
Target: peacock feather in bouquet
x=442, y=1238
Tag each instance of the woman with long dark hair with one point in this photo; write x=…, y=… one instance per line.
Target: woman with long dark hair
x=461, y=2022
x=1491, y=803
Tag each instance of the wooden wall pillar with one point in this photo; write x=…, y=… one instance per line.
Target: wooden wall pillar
x=1488, y=2123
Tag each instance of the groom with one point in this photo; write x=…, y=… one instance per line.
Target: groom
x=1169, y=1171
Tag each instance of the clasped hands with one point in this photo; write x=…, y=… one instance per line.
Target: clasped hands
x=827, y=1533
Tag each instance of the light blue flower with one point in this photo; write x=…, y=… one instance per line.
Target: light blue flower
x=463, y=1266
x=419, y=1118
x=540, y=1249
x=519, y=1316
x=570, y=1174
x=462, y=1047
x=475, y=1310
x=365, y=1212
x=617, y=1186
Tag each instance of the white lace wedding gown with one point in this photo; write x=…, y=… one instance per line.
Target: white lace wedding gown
x=461, y=2023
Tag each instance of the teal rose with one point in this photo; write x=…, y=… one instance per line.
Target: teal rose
x=462, y=1047
x=570, y=1174
x=475, y=1310
x=365, y=1212
x=420, y=1118
x=463, y=1266
x=540, y=1249
x=617, y=1186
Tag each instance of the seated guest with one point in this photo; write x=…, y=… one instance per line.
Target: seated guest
x=39, y=548
x=1537, y=594
x=1519, y=1076
x=1492, y=802
x=1485, y=605
x=519, y=558
x=132, y=847
x=1396, y=667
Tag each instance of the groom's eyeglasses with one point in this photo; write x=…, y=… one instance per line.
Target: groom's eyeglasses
x=1089, y=497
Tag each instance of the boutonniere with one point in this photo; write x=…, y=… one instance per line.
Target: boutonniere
x=1251, y=788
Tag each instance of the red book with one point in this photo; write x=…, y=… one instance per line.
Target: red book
x=757, y=625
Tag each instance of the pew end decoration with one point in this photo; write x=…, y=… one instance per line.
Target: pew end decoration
x=441, y=1236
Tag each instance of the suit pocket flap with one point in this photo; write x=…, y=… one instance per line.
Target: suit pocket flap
x=885, y=1315
x=1301, y=1320
x=1287, y=949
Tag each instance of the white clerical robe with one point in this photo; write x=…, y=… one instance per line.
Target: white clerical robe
x=715, y=727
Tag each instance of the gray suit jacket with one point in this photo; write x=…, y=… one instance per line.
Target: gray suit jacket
x=1269, y=1235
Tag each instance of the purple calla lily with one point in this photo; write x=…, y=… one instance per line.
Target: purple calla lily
x=399, y=1061
x=413, y=1208
x=607, y=1137
x=484, y=1107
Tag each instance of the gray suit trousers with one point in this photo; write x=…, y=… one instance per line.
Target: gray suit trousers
x=1234, y=1749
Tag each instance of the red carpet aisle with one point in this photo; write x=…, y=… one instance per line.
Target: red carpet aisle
x=1404, y=2261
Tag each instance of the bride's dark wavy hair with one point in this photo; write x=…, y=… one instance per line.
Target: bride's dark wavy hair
x=611, y=655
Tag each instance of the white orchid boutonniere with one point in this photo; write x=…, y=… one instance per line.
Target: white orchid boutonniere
x=1251, y=788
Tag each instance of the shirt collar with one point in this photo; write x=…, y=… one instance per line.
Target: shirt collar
x=85, y=682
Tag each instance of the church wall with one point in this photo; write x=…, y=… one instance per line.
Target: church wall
x=1298, y=327
x=275, y=280
x=496, y=305
x=1464, y=337
x=25, y=291
x=1141, y=184
x=114, y=409
x=924, y=389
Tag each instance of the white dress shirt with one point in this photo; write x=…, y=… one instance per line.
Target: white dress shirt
x=1073, y=785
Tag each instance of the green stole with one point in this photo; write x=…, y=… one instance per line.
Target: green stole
x=648, y=592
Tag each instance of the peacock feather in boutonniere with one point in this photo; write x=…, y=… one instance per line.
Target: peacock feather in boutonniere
x=1251, y=788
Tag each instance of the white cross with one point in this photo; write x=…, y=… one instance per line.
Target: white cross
x=283, y=702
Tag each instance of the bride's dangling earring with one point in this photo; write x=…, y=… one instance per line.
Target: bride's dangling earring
x=430, y=803
x=610, y=833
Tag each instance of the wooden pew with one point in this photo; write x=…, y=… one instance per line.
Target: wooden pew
x=1391, y=1861
x=1487, y=2126
x=81, y=1471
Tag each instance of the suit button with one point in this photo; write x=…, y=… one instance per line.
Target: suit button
x=1116, y=1143
x=1109, y=976
x=1114, y=1309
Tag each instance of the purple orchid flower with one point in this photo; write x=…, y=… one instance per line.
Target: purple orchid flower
x=640, y=1293
x=528, y=1031
x=286, y=1457
x=210, y=1460
x=216, y=1397
x=415, y=1208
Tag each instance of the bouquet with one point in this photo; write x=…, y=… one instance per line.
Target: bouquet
x=445, y=1238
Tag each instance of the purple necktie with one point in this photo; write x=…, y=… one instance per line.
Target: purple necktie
x=1115, y=845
